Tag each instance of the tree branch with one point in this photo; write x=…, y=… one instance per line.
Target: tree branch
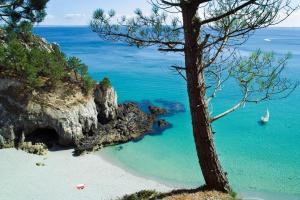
x=171, y=3
x=231, y=109
x=216, y=18
x=179, y=70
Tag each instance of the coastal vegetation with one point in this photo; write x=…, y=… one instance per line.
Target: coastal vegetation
x=37, y=64
x=105, y=82
x=208, y=34
x=29, y=58
x=37, y=148
x=195, y=194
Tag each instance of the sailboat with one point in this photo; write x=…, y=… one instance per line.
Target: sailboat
x=266, y=117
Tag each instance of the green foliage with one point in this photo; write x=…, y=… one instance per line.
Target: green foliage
x=233, y=194
x=15, y=56
x=142, y=195
x=37, y=67
x=25, y=31
x=260, y=76
x=141, y=30
x=88, y=83
x=105, y=82
x=76, y=65
x=15, y=12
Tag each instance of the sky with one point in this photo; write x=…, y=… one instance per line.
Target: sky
x=79, y=12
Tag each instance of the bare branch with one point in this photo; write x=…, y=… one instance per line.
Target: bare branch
x=171, y=50
x=179, y=70
x=229, y=110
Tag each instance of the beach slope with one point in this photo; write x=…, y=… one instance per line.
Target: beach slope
x=22, y=179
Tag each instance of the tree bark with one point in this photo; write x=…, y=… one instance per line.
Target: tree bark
x=212, y=171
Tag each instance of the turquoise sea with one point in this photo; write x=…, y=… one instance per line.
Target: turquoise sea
x=261, y=161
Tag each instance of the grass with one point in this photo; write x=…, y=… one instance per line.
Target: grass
x=142, y=195
x=180, y=195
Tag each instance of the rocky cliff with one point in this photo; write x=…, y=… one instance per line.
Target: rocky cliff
x=70, y=115
x=66, y=116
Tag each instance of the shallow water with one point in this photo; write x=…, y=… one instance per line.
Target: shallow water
x=260, y=160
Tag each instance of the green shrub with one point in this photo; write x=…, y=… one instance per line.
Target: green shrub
x=88, y=83
x=36, y=66
x=142, y=195
x=105, y=82
x=24, y=30
x=15, y=56
x=233, y=194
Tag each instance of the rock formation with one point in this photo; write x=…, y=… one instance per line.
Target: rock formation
x=86, y=121
x=157, y=110
x=162, y=123
x=70, y=115
x=106, y=100
x=130, y=123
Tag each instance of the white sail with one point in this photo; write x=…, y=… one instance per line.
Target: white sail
x=266, y=117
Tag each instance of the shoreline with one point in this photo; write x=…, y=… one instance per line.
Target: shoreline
x=245, y=194
x=22, y=179
x=169, y=183
x=104, y=178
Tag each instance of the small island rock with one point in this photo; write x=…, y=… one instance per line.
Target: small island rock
x=157, y=110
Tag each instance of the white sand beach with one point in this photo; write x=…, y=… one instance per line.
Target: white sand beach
x=21, y=179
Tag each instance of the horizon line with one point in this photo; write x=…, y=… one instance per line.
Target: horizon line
x=86, y=25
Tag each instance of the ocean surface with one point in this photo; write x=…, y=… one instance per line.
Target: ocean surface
x=262, y=162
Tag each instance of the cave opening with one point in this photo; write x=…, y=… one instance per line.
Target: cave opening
x=48, y=136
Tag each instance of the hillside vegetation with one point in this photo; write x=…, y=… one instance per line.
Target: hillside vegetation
x=38, y=64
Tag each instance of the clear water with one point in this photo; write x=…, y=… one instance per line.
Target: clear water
x=261, y=161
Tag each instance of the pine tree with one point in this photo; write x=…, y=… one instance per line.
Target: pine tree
x=15, y=12
x=207, y=32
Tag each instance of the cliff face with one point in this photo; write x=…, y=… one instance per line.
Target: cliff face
x=106, y=100
x=85, y=121
x=70, y=115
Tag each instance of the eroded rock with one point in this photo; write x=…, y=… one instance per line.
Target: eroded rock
x=106, y=100
x=69, y=112
x=130, y=123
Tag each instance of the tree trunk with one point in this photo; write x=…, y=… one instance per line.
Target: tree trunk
x=202, y=131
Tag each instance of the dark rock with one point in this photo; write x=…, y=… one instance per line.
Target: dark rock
x=40, y=164
x=171, y=106
x=131, y=123
x=157, y=110
x=162, y=123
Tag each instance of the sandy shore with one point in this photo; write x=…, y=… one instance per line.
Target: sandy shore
x=21, y=179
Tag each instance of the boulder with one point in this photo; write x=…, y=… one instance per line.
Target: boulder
x=106, y=100
x=157, y=110
x=163, y=123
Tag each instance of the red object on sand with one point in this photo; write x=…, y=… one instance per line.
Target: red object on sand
x=80, y=186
